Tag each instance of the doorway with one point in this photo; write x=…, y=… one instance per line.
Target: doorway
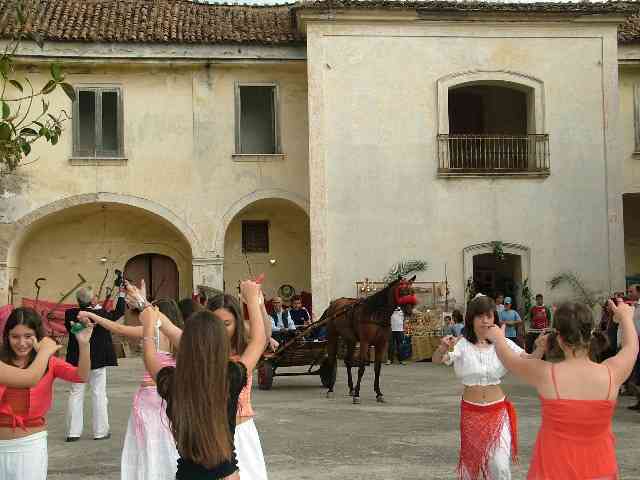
x=492, y=275
x=159, y=272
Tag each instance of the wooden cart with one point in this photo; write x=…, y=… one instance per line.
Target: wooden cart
x=298, y=352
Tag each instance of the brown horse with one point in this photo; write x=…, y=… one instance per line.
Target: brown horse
x=367, y=321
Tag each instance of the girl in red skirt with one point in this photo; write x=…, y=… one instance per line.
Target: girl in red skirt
x=488, y=426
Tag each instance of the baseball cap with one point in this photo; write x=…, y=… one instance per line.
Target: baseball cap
x=507, y=300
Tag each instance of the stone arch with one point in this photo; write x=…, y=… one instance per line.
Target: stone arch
x=516, y=80
x=247, y=200
x=23, y=223
x=471, y=251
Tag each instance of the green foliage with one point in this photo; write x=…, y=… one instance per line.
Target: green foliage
x=20, y=125
x=498, y=249
x=582, y=293
x=404, y=268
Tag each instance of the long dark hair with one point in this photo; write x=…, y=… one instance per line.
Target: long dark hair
x=240, y=340
x=170, y=309
x=20, y=316
x=574, y=323
x=188, y=306
x=478, y=306
x=199, y=419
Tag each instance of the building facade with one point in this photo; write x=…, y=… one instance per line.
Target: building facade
x=323, y=142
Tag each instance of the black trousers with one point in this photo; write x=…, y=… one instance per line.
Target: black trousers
x=395, y=345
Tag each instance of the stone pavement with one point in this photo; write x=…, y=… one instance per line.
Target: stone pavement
x=307, y=437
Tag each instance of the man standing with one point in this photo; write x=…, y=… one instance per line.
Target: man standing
x=397, y=335
x=540, y=318
x=102, y=356
x=511, y=319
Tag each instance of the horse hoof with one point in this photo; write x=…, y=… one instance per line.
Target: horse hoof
x=329, y=395
x=380, y=399
x=356, y=400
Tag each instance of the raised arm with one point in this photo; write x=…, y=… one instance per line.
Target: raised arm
x=149, y=317
x=26, y=378
x=84, y=358
x=252, y=296
x=531, y=369
x=113, y=327
x=622, y=364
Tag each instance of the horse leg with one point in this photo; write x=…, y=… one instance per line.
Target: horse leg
x=364, y=353
x=377, y=368
x=348, y=361
x=332, y=353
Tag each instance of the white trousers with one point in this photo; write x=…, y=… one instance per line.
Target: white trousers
x=24, y=458
x=99, y=402
x=249, y=452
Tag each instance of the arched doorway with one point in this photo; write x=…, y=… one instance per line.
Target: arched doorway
x=271, y=236
x=93, y=239
x=493, y=275
x=160, y=274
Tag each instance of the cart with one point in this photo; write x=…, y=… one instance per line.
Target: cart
x=296, y=353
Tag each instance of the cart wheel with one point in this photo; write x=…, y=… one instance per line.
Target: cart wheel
x=327, y=374
x=265, y=376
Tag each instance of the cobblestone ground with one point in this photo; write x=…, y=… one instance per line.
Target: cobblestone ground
x=307, y=437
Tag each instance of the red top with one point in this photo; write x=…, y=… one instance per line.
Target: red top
x=539, y=317
x=26, y=407
x=575, y=441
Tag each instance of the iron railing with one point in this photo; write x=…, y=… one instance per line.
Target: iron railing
x=493, y=154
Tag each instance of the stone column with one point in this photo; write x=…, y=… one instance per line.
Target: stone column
x=4, y=283
x=208, y=272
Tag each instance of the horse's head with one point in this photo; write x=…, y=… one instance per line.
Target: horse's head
x=404, y=296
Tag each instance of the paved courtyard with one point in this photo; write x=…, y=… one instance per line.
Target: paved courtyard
x=307, y=437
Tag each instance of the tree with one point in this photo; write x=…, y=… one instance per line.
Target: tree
x=22, y=123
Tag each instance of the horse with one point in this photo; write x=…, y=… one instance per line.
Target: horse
x=367, y=321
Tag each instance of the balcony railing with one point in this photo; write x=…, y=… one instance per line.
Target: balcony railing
x=460, y=155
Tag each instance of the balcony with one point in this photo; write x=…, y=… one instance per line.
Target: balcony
x=470, y=155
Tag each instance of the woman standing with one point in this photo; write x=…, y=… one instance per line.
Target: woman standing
x=575, y=441
x=488, y=425
x=203, y=389
x=23, y=428
x=149, y=451
x=246, y=440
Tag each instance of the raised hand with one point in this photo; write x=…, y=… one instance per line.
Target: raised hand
x=448, y=342
x=251, y=291
x=84, y=335
x=86, y=318
x=495, y=332
x=621, y=310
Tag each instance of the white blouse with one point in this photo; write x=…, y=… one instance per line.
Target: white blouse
x=475, y=366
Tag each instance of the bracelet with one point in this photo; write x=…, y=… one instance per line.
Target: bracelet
x=149, y=339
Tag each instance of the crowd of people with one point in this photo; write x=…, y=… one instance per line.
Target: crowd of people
x=192, y=417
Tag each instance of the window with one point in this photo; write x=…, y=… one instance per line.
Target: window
x=255, y=236
x=491, y=123
x=97, y=121
x=257, y=119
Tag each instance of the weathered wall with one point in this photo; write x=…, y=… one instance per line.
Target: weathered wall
x=75, y=240
x=288, y=246
x=179, y=143
x=373, y=94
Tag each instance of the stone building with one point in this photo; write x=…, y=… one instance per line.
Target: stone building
x=322, y=142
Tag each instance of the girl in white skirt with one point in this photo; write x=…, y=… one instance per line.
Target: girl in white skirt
x=149, y=451
x=246, y=439
x=23, y=428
